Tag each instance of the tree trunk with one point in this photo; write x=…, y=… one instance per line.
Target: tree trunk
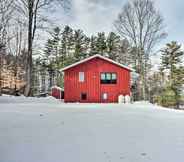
x=0, y=81
x=143, y=70
x=1, y=68
x=28, y=88
x=141, y=86
x=29, y=79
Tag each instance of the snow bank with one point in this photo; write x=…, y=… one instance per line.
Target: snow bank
x=142, y=103
x=23, y=99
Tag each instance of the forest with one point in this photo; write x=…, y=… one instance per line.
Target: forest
x=26, y=61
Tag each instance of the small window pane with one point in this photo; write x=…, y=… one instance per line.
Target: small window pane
x=114, y=76
x=104, y=96
x=103, y=76
x=108, y=76
x=81, y=76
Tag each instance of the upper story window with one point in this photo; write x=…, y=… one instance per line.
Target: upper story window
x=108, y=78
x=81, y=76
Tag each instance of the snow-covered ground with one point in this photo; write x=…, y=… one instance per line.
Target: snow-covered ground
x=46, y=130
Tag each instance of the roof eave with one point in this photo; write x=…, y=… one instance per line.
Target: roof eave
x=97, y=55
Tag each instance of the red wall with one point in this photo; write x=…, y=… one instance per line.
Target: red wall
x=91, y=85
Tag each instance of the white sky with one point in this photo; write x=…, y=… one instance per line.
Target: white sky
x=93, y=16
x=98, y=15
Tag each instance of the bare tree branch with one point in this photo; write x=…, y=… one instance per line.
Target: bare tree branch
x=32, y=11
x=142, y=25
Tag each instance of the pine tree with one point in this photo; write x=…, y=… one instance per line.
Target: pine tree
x=101, y=44
x=51, y=55
x=67, y=43
x=56, y=36
x=79, y=45
x=171, y=59
x=93, y=47
x=67, y=47
x=113, y=45
x=87, y=46
x=63, y=51
x=51, y=51
x=47, y=55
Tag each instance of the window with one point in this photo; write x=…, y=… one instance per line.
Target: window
x=104, y=96
x=113, y=78
x=108, y=78
x=83, y=96
x=102, y=76
x=81, y=76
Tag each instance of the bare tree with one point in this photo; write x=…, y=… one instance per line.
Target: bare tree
x=33, y=11
x=5, y=16
x=142, y=25
x=15, y=47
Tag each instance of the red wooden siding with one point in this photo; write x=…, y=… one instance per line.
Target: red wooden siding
x=91, y=85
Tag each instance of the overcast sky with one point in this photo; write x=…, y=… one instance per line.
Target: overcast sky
x=94, y=16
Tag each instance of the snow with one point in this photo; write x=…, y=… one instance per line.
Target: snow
x=22, y=99
x=47, y=130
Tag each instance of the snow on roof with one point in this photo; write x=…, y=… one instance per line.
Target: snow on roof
x=95, y=56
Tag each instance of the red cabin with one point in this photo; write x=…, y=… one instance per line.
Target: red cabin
x=96, y=79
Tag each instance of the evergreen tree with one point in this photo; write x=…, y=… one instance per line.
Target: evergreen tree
x=113, y=45
x=171, y=59
x=51, y=51
x=51, y=55
x=93, y=47
x=101, y=44
x=46, y=62
x=67, y=41
x=63, y=51
x=47, y=55
x=156, y=83
x=66, y=45
x=56, y=34
x=87, y=46
x=79, y=45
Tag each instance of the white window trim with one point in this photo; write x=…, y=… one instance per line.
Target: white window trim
x=81, y=76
